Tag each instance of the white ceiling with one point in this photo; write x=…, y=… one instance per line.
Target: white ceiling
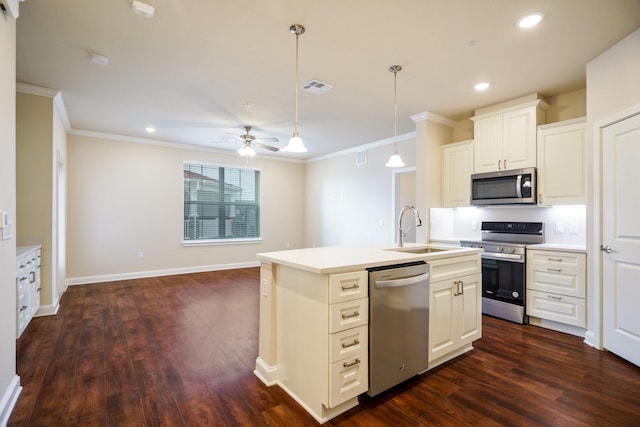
x=191, y=70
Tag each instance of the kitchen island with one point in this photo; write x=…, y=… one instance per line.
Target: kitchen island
x=314, y=311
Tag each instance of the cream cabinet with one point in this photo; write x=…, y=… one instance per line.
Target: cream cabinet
x=323, y=345
x=506, y=138
x=27, y=286
x=455, y=307
x=457, y=167
x=556, y=286
x=562, y=161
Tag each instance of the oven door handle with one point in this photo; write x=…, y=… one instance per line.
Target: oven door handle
x=499, y=257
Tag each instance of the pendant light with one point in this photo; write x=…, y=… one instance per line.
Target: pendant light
x=295, y=143
x=395, y=161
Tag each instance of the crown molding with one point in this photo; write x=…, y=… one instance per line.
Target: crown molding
x=381, y=143
x=433, y=117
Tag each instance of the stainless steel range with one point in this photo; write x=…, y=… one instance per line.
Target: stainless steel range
x=504, y=268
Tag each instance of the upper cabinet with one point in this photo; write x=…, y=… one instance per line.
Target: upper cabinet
x=457, y=167
x=506, y=138
x=562, y=163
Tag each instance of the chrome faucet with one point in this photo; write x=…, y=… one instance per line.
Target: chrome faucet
x=401, y=233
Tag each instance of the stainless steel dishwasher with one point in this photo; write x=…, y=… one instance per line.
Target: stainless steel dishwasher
x=398, y=324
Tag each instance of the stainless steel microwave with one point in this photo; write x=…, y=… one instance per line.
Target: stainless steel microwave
x=508, y=187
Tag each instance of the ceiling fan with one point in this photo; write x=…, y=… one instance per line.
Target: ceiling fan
x=248, y=141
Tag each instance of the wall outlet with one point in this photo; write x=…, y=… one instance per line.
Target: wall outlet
x=140, y=255
x=573, y=228
x=265, y=287
x=559, y=227
x=474, y=225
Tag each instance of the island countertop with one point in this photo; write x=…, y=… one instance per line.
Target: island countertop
x=337, y=259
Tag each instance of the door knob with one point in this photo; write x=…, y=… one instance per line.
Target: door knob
x=606, y=249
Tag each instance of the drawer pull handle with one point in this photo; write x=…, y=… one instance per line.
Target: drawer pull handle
x=555, y=259
x=558, y=270
x=348, y=365
x=346, y=288
x=355, y=342
x=354, y=314
x=554, y=297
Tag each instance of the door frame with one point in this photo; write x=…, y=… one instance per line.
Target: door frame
x=595, y=332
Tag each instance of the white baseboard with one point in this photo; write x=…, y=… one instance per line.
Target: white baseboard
x=155, y=273
x=557, y=326
x=9, y=399
x=266, y=373
x=48, y=310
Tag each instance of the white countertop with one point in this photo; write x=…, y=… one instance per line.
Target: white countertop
x=20, y=250
x=336, y=259
x=558, y=247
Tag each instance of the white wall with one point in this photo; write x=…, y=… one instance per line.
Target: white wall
x=125, y=197
x=349, y=204
x=9, y=381
x=612, y=87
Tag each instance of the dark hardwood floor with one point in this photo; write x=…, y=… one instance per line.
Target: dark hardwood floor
x=180, y=351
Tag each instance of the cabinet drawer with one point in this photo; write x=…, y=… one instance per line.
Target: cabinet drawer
x=450, y=268
x=348, y=286
x=348, y=343
x=348, y=314
x=348, y=378
x=572, y=260
x=557, y=281
x=560, y=308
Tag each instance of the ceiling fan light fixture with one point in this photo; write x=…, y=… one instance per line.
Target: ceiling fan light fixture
x=395, y=161
x=296, y=145
x=246, y=151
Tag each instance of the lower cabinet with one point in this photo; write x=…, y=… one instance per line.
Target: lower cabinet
x=455, y=307
x=556, y=286
x=27, y=286
x=323, y=345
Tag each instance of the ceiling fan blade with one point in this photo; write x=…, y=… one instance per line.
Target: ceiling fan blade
x=228, y=138
x=266, y=147
x=268, y=139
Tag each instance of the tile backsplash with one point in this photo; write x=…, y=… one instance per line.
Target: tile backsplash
x=562, y=224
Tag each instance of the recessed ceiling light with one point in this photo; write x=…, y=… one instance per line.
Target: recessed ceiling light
x=150, y=129
x=98, y=59
x=530, y=20
x=143, y=9
x=481, y=86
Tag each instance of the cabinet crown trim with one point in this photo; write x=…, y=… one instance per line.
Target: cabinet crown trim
x=536, y=103
x=579, y=120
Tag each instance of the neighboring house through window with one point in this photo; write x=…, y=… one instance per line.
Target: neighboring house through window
x=221, y=203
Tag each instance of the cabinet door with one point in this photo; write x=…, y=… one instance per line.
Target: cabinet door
x=469, y=306
x=442, y=335
x=519, y=138
x=562, y=164
x=488, y=143
x=457, y=166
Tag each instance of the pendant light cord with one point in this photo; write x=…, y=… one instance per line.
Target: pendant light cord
x=295, y=122
x=395, y=111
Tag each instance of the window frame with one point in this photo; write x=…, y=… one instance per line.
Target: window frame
x=224, y=241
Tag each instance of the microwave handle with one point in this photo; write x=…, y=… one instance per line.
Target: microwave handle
x=519, y=186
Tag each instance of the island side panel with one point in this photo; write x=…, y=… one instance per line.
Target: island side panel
x=303, y=337
x=266, y=363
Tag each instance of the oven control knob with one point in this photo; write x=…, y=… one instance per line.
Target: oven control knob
x=501, y=249
x=513, y=250
x=515, y=294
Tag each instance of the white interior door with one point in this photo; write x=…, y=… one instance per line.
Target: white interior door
x=621, y=238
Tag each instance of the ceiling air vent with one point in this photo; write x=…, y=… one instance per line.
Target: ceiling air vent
x=316, y=86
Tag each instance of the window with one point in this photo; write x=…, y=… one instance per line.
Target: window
x=221, y=203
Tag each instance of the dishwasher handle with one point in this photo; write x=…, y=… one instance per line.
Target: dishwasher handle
x=407, y=281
